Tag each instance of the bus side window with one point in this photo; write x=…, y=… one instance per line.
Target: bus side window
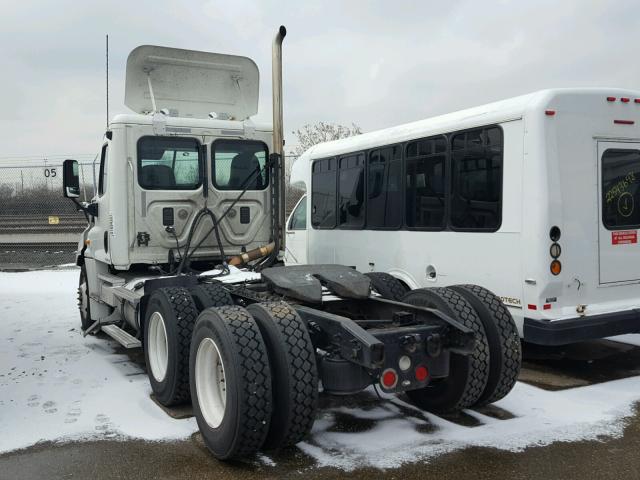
x=351, y=191
x=476, y=166
x=425, y=187
x=323, y=193
x=384, y=197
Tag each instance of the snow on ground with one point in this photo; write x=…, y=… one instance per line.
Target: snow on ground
x=56, y=385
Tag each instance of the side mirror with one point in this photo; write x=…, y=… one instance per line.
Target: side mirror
x=70, y=179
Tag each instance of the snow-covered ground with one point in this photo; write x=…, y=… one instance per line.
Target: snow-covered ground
x=57, y=386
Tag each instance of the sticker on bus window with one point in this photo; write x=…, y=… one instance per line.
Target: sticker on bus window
x=624, y=237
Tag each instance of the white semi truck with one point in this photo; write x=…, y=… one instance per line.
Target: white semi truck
x=189, y=190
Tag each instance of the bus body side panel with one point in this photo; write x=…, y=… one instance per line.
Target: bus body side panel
x=489, y=259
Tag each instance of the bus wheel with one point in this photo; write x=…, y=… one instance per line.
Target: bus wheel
x=387, y=285
x=230, y=382
x=468, y=374
x=505, y=352
x=168, y=324
x=294, y=374
x=210, y=295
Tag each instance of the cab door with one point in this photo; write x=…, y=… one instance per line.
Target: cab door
x=98, y=235
x=619, y=211
x=296, y=246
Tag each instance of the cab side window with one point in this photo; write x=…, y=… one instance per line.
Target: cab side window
x=102, y=180
x=299, y=218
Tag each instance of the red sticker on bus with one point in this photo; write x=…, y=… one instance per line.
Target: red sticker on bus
x=623, y=237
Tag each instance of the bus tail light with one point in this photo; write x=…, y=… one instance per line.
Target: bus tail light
x=611, y=99
x=624, y=100
x=556, y=267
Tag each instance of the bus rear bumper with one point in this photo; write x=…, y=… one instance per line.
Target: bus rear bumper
x=572, y=330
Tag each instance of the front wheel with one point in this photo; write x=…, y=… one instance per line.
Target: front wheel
x=230, y=382
x=83, y=300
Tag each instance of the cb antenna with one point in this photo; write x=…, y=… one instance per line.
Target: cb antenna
x=107, y=76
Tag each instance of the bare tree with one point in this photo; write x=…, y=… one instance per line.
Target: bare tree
x=312, y=134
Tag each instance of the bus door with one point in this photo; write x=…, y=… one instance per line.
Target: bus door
x=619, y=211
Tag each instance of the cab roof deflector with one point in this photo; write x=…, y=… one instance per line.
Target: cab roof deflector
x=190, y=83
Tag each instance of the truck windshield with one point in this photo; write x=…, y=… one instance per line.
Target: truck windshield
x=237, y=164
x=168, y=163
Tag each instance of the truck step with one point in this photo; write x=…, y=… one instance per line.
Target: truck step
x=122, y=337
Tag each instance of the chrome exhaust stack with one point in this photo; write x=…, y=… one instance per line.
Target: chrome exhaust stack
x=278, y=129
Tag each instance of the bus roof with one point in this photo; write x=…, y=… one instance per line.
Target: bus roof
x=496, y=112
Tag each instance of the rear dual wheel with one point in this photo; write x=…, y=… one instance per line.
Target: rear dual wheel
x=253, y=378
x=490, y=372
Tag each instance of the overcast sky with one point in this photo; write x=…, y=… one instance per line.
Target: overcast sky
x=377, y=64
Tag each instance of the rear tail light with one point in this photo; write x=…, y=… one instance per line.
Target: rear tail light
x=624, y=100
x=389, y=378
x=421, y=373
x=611, y=99
x=555, y=267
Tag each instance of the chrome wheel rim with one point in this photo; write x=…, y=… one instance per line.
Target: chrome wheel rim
x=211, y=384
x=158, y=347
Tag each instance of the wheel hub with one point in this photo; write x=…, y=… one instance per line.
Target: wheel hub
x=210, y=382
x=158, y=347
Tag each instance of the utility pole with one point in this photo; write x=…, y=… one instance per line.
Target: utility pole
x=107, y=76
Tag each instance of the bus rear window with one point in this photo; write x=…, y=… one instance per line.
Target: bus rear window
x=620, y=188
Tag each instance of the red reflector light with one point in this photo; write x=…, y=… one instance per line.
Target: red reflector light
x=637, y=100
x=389, y=378
x=624, y=100
x=531, y=306
x=421, y=373
x=550, y=113
x=547, y=306
x=624, y=122
x=611, y=99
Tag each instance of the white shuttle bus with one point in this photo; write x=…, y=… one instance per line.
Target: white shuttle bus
x=533, y=198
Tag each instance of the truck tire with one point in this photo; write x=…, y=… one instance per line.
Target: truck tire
x=210, y=295
x=387, y=285
x=294, y=374
x=83, y=300
x=468, y=374
x=168, y=324
x=230, y=382
x=505, y=351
